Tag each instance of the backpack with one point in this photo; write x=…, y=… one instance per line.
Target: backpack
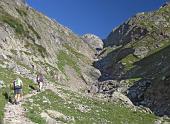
x=39, y=78
x=17, y=84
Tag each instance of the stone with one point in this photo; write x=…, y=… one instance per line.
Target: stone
x=94, y=89
x=119, y=96
x=141, y=52
x=83, y=108
x=48, y=119
x=158, y=122
x=57, y=115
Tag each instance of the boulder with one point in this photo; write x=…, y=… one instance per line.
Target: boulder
x=117, y=96
x=59, y=116
x=48, y=119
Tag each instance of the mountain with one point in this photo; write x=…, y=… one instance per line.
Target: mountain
x=86, y=80
x=137, y=52
x=31, y=40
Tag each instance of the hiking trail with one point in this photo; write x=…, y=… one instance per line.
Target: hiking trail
x=16, y=114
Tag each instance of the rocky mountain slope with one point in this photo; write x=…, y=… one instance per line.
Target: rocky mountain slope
x=137, y=53
x=132, y=62
x=31, y=41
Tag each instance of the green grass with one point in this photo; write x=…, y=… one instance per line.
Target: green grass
x=23, y=65
x=41, y=50
x=36, y=48
x=34, y=31
x=131, y=81
x=149, y=44
x=35, y=117
x=22, y=11
x=17, y=25
x=2, y=104
x=14, y=51
x=128, y=61
x=50, y=70
x=77, y=54
x=154, y=65
x=99, y=111
x=13, y=22
x=25, y=52
x=67, y=59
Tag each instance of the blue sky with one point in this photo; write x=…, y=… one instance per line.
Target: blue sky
x=98, y=17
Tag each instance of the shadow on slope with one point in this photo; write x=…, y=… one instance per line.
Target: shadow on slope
x=153, y=89
x=110, y=65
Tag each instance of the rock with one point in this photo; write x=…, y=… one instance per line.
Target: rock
x=31, y=100
x=48, y=119
x=136, y=92
x=109, y=86
x=123, y=34
x=94, y=89
x=3, y=56
x=55, y=114
x=46, y=100
x=158, y=122
x=59, y=116
x=94, y=41
x=20, y=1
x=91, y=75
x=117, y=96
x=83, y=108
x=141, y=52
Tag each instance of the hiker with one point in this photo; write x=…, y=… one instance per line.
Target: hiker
x=18, y=84
x=33, y=68
x=40, y=81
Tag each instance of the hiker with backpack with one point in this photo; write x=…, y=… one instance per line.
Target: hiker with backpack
x=18, y=84
x=40, y=81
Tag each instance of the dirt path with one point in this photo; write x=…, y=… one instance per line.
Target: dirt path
x=16, y=114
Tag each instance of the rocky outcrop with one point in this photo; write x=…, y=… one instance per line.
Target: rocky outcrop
x=124, y=34
x=94, y=41
x=157, y=97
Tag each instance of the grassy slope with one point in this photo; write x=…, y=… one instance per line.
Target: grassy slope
x=67, y=59
x=155, y=65
x=99, y=111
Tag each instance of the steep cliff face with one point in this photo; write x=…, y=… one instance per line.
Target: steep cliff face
x=137, y=53
x=31, y=41
x=139, y=37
